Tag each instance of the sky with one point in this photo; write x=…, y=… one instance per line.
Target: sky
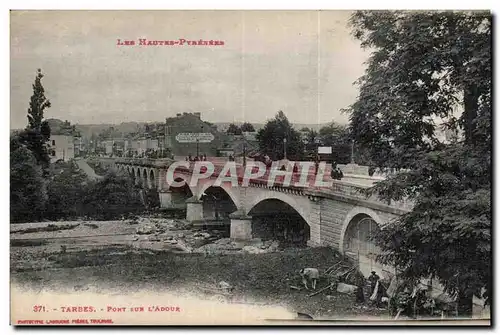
x=304, y=63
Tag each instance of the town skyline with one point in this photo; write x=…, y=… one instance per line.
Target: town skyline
x=303, y=63
x=217, y=123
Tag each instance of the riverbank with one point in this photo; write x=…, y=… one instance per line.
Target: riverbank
x=106, y=257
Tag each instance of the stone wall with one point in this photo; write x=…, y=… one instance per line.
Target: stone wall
x=333, y=214
x=315, y=223
x=241, y=228
x=354, y=169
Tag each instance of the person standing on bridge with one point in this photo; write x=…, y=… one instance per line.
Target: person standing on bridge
x=336, y=173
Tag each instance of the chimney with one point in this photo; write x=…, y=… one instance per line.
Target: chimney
x=198, y=115
x=178, y=114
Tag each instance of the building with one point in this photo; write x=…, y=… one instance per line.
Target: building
x=61, y=147
x=107, y=146
x=238, y=145
x=79, y=146
x=250, y=136
x=138, y=146
x=186, y=134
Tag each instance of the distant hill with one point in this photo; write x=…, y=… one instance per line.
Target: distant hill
x=125, y=127
x=222, y=126
x=86, y=130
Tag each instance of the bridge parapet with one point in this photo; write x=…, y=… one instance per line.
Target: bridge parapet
x=342, y=188
x=107, y=161
x=278, y=187
x=357, y=192
x=149, y=162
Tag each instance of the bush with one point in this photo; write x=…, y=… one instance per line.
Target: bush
x=66, y=193
x=152, y=198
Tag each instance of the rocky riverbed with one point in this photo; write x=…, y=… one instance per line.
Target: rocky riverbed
x=160, y=254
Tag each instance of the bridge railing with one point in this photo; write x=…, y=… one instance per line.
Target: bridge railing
x=357, y=191
x=156, y=162
x=339, y=187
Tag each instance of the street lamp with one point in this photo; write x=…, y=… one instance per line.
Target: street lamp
x=198, y=143
x=284, y=147
x=352, y=152
x=244, y=153
x=197, y=147
x=317, y=143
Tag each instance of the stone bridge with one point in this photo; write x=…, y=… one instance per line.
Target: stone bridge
x=340, y=216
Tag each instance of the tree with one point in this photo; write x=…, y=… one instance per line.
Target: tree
x=58, y=127
x=271, y=137
x=66, y=189
x=37, y=133
x=111, y=197
x=338, y=137
x=233, y=129
x=424, y=65
x=311, y=141
x=247, y=127
x=27, y=196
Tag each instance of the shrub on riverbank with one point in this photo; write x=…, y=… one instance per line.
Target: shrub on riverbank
x=27, y=187
x=66, y=193
x=98, y=168
x=112, y=197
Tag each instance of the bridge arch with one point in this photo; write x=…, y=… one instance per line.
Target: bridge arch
x=358, y=229
x=224, y=186
x=129, y=171
x=280, y=216
x=152, y=179
x=356, y=213
x=218, y=201
x=144, y=175
x=302, y=207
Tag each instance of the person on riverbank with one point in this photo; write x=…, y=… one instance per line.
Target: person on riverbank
x=373, y=279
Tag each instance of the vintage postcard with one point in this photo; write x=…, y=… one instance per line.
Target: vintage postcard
x=244, y=167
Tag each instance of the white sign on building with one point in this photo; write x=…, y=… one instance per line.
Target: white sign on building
x=194, y=137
